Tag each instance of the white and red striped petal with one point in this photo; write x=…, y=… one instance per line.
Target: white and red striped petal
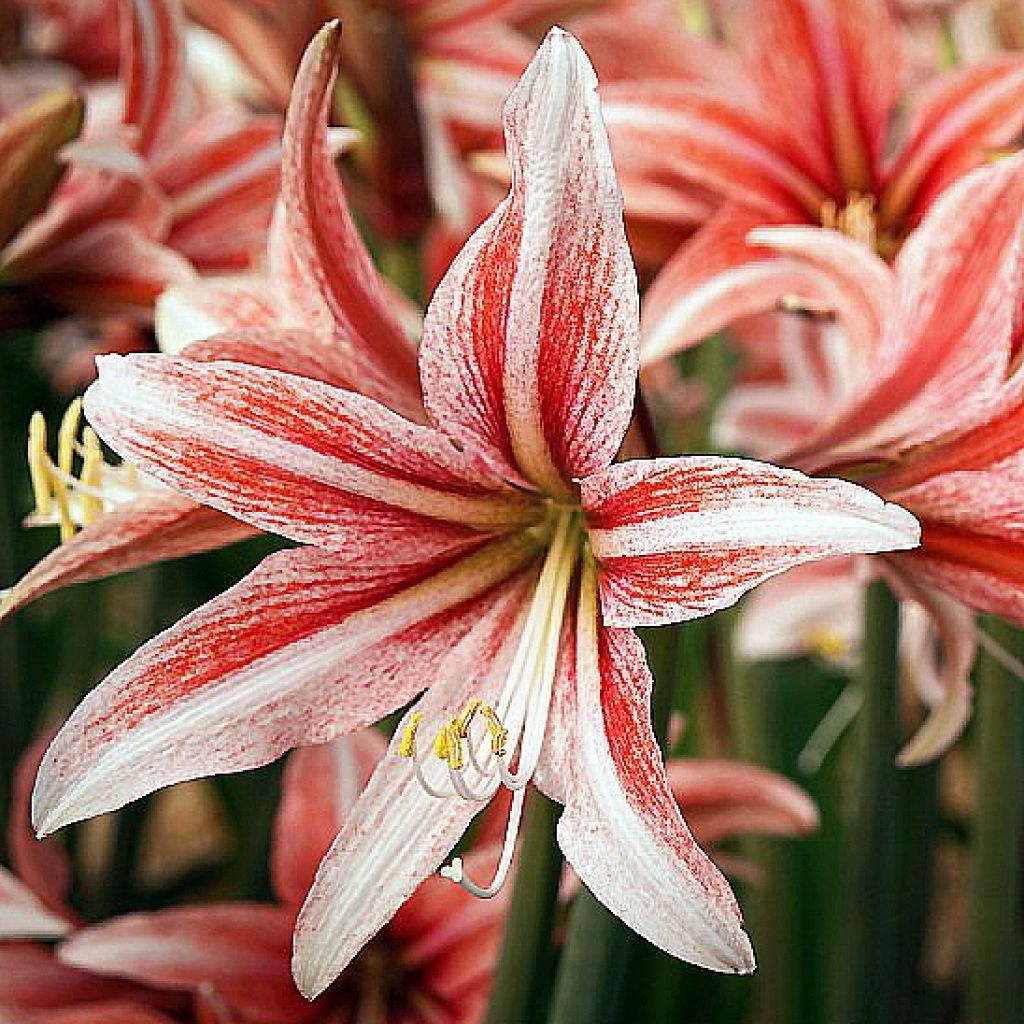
x=397, y=833
x=530, y=341
x=293, y=455
x=152, y=528
x=316, y=250
x=621, y=830
x=309, y=646
x=679, y=538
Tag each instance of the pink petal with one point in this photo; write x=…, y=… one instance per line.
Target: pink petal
x=831, y=71
x=622, y=831
x=23, y=915
x=31, y=977
x=240, y=950
x=679, y=538
x=967, y=114
x=713, y=137
x=397, y=833
x=309, y=646
x=152, y=528
x=118, y=1011
x=321, y=785
x=44, y=867
x=953, y=631
x=722, y=799
x=942, y=362
x=318, y=253
x=153, y=68
x=530, y=341
x=292, y=455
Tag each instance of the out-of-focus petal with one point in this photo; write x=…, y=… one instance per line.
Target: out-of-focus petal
x=679, y=538
x=530, y=341
x=321, y=785
x=23, y=915
x=240, y=950
x=722, y=799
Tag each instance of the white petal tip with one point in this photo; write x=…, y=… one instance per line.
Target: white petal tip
x=310, y=979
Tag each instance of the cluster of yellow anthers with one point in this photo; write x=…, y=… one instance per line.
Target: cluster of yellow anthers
x=453, y=736
x=62, y=498
x=856, y=219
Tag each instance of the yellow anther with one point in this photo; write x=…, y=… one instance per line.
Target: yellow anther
x=66, y=436
x=91, y=475
x=38, y=464
x=464, y=718
x=407, y=745
x=497, y=732
x=856, y=219
x=448, y=745
x=826, y=642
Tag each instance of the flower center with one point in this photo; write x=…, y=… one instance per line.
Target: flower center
x=62, y=498
x=481, y=746
x=856, y=219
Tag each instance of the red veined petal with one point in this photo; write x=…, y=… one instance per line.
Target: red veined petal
x=621, y=830
x=530, y=341
x=397, y=833
x=309, y=646
x=293, y=455
x=152, y=528
x=679, y=538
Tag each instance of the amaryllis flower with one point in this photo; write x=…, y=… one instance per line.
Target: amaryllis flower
x=496, y=560
x=922, y=405
x=809, y=144
x=431, y=964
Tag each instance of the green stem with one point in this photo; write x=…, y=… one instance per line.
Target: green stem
x=865, y=987
x=523, y=975
x=995, y=988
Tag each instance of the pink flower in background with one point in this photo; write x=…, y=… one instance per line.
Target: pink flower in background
x=810, y=143
x=497, y=561
x=171, y=185
x=432, y=963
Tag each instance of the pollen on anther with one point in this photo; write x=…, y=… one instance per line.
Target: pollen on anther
x=407, y=745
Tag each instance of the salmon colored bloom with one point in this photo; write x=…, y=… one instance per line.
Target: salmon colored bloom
x=918, y=397
x=811, y=143
x=496, y=560
x=432, y=964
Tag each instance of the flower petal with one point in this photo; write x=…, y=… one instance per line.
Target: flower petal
x=397, y=833
x=530, y=341
x=292, y=455
x=622, y=831
x=309, y=646
x=317, y=252
x=966, y=115
x=679, y=538
x=321, y=784
x=23, y=915
x=152, y=528
x=723, y=799
x=240, y=950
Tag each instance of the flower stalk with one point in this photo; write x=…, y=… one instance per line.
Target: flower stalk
x=995, y=989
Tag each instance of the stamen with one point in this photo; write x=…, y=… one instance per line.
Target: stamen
x=61, y=498
x=407, y=746
x=456, y=872
x=856, y=219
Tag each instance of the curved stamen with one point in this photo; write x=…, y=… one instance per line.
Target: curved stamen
x=455, y=871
